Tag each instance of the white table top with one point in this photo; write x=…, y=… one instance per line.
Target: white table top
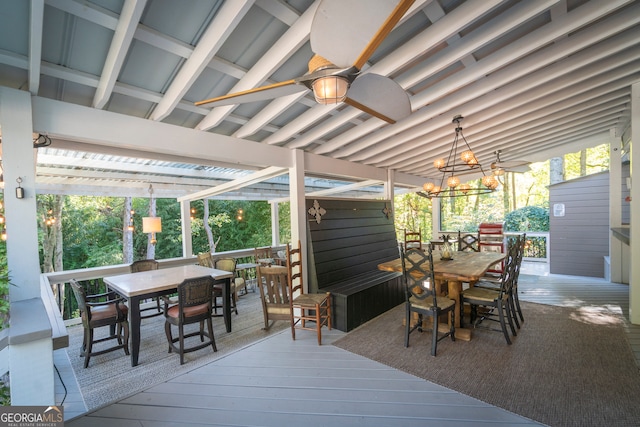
x=132, y=284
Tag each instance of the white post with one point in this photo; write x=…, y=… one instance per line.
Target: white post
x=615, y=207
x=275, y=224
x=185, y=221
x=634, y=227
x=298, y=209
x=30, y=337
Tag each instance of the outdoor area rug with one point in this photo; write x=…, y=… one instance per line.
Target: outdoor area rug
x=566, y=367
x=110, y=376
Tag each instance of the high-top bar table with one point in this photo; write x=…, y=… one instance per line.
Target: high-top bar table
x=148, y=284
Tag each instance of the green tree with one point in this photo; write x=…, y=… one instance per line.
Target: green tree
x=529, y=218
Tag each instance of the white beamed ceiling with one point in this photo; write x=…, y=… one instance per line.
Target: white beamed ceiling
x=533, y=78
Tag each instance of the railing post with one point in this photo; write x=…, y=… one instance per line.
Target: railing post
x=31, y=354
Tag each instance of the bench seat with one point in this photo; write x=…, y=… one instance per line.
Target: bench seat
x=363, y=297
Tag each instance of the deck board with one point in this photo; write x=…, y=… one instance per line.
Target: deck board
x=271, y=383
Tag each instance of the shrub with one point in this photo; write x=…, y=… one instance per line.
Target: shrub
x=529, y=218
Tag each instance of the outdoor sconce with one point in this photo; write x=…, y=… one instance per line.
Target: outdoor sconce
x=19, y=190
x=153, y=225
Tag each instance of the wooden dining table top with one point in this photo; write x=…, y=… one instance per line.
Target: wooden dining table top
x=464, y=267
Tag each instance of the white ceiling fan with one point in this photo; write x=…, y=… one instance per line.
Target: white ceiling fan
x=499, y=167
x=344, y=35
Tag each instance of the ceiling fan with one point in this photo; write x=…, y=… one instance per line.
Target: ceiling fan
x=343, y=37
x=499, y=167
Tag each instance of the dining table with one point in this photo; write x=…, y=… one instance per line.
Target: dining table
x=464, y=267
x=136, y=287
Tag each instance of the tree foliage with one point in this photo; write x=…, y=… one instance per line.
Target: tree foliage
x=528, y=218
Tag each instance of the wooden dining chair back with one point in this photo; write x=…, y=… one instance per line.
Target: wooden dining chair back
x=314, y=309
x=264, y=256
x=147, y=265
x=496, y=303
x=413, y=239
x=227, y=264
x=468, y=242
x=422, y=297
x=273, y=282
x=194, y=306
x=98, y=310
x=205, y=259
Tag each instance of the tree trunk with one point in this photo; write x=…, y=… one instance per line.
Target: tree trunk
x=127, y=235
x=556, y=170
x=58, y=204
x=207, y=227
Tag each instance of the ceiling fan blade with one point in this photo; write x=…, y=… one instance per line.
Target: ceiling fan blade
x=510, y=164
x=263, y=93
x=349, y=32
x=379, y=96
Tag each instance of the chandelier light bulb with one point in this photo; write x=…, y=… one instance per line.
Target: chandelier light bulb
x=490, y=181
x=439, y=163
x=464, y=188
x=428, y=186
x=453, y=181
x=436, y=190
x=468, y=157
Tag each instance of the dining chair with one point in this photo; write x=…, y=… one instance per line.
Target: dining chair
x=468, y=242
x=147, y=265
x=412, y=239
x=98, y=310
x=194, y=306
x=273, y=282
x=227, y=264
x=264, y=256
x=305, y=308
x=490, y=282
x=422, y=297
x=496, y=303
x=205, y=259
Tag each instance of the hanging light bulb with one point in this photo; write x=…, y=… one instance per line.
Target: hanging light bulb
x=439, y=163
x=428, y=186
x=467, y=156
x=453, y=181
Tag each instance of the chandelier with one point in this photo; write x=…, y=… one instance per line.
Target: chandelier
x=454, y=166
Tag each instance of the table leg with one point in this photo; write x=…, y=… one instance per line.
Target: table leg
x=226, y=303
x=455, y=289
x=134, y=328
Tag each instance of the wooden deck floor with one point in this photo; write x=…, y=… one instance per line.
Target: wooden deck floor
x=278, y=382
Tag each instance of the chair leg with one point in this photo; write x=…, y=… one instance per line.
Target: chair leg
x=408, y=326
x=181, y=341
x=452, y=327
x=125, y=327
x=503, y=324
x=89, y=348
x=509, y=316
x=514, y=313
x=213, y=338
x=434, y=335
x=517, y=302
x=318, y=324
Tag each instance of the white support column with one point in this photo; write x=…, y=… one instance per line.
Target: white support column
x=185, y=221
x=634, y=228
x=389, y=186
x=275, y=224
x=615, y=206
x=298, y=210
x=30, y=337
x=435, y=217
x=18, y=162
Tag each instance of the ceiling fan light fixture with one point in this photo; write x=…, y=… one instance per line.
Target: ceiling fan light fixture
x=330, y=89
